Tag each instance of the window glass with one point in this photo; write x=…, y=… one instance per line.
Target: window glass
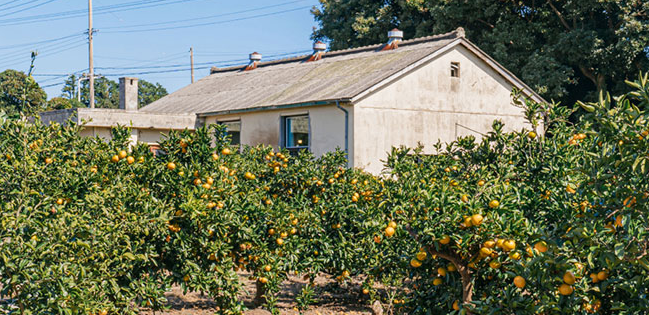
x=297, y=132
x=234, y=130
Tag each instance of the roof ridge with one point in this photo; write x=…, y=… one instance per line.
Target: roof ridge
x=457, y=33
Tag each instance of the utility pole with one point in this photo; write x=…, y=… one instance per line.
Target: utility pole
x=191, y=59
x=90, y=56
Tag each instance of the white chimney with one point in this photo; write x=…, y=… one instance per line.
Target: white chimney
x=128, y=94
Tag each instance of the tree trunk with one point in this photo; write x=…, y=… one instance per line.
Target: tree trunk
x=597, y=78
x=259, y=294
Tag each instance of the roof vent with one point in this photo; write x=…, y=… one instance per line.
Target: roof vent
x=395, y=36
x=318, y=49
x=254, y=60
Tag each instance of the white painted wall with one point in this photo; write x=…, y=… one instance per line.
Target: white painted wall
x=425, y=105
x=327, y=125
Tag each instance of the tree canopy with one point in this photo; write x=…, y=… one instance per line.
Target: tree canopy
x=565, y=50
x=107, y=92
x=19, y=93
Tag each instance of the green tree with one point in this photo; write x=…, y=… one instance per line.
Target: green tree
x=149, y=92
x=566, y=50
x=19, y=93
x=107, y=92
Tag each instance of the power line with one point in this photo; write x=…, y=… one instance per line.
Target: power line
x=8, y=3
x=39, y=42
x=29, y=8
x=135, y=5
x=209, y=23
x=205, y=17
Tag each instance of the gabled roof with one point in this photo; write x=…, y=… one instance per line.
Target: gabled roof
x=345, y=75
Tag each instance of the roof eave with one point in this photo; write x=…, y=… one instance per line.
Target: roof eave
x=274, y=107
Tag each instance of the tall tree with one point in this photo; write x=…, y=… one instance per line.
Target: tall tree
x=107, y=92
x=149, y=92
x=566, y=50
x=20, y=94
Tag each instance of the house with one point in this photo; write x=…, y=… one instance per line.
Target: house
x=362, y=100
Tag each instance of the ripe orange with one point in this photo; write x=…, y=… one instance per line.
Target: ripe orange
x=565, y=289
x=59, y=201
x=489, y=244
x=415, y=263
x=494, y=264
x=113, y=159
x=267, y=268
x=541, y=246
x=279, y=241
x=464, y=198
x=515, y=255
x=531, y=134
x=569, y=278
x=441, y=271
x=345, y=274
x=476, y=219
x=569, y=189
x=519, y=282
x=215, y=156
x=392, y=224
x=389, y=231
x=130, y=160
x=263, y=280
x=456, y=305
x=445, y=240
x=494, y=204
x=226, y=151
x=437, y=281
x=171, y=166
x=509, y=245
x=366, y=291
x=102, y=312
x=481, y=183
x=484, y=252
x=451, y=267
x=421, y=255
x=249, y=175
x=122, y=154
x=602, y=275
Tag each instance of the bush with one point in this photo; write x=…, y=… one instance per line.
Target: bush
x=549, y=220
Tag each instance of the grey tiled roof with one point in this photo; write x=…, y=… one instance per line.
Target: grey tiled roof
x=339, y=75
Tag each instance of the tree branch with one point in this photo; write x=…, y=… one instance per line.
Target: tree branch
x=563, y=21
x=462, y=268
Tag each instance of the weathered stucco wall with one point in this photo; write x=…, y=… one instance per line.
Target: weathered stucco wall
x=429, y=105
x=327, y=127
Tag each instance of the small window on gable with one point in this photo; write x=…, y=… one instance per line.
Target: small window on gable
x=455, y=69
x=233, y=128
x=295, y=133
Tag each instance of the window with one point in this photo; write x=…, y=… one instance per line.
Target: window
x=233, y=129
x=296, y=132
x=455, y=69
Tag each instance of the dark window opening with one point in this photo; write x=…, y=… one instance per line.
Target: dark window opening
x=233, y=129
x=296, y=133
x=455, y=69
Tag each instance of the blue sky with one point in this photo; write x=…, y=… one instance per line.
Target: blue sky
x=134, y=37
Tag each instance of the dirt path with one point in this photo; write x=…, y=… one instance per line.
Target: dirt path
x=331, y=299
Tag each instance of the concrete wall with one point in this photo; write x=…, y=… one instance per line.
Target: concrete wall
x=327, y=125
x=428, y=105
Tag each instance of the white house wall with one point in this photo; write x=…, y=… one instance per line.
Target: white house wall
x=428, y=105
x=327, y=127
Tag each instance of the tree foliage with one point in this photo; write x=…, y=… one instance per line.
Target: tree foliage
x=566, y=50
x=552, y=219
x=107, y=92
x=19, y=93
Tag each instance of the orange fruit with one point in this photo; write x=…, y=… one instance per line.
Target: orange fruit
x=415, y=263
x=226, y=151
x=122, y=154
x=494, y=204
x=263, y=280
x=509, y=245
x=531, y=134
x=366, y=291
x=569, y=278
x=421, y=256
x=541, y=246
x=130, y=160
x=602, y=275
x=484, y=252
x=279, y=241
x=392, y=224
x=441, y=271
x=565, y=289
x=445, y=240
x=113, y=159
x=489, y=244
x=456, y=305
x=476, y=219
x=389, y=231
x=437, y=281
x=267, y=268
x=481, y=183
x=519, y=282
x=171, y=166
